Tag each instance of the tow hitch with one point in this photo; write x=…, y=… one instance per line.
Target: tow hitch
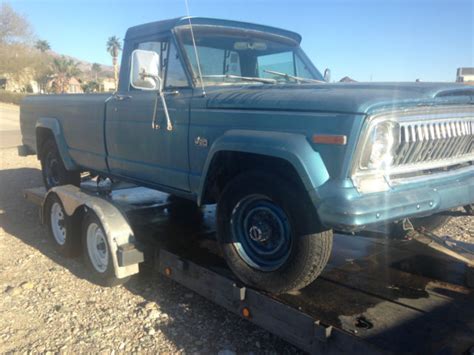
x=450, y=248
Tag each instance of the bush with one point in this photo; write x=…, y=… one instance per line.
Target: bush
x=11, y=97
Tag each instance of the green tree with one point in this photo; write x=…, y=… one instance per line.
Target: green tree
x=114, y=47
x=63, y=70
x=42, y=46
x=91, y=86
x=96, y=69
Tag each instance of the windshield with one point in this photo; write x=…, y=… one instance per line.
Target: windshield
x=231, y=55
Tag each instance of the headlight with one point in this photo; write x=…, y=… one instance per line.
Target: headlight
x=376, y=156
x=379, y=148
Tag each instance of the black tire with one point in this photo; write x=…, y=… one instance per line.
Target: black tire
x=62, y=229
x=53, y=169
x=430, y=224
x=101, y=271
x=469, y=209
x=284, y=213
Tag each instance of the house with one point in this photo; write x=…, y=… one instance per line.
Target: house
x=72, y=86
x=465, y=75
x=22, y=82
x=347, y=79
x=108, y=85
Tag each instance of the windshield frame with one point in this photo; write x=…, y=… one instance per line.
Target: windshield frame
x=194, y=76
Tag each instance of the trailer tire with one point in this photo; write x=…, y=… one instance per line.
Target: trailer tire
x=97, y=252
x=265, y=231
x=61, y=228
x=52, y=167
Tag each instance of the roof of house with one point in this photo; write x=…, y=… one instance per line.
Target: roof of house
x=167, y=25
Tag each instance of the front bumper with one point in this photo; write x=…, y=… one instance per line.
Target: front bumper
x=347, y=210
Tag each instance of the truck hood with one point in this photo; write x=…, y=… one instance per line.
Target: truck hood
x=338, y=97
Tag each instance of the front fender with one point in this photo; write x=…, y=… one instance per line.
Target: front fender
x=54, y=126
x=292, y=147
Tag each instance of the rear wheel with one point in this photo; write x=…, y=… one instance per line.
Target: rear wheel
x=265, y=230
x=97, y=252
x=53, y=169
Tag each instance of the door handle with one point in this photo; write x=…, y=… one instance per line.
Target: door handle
x=171, y=93
x=122, y=97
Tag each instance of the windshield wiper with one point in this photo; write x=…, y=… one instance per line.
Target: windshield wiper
x=243, y=78
x=297, y=78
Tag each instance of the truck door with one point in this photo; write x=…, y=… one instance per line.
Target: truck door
x=138, y=151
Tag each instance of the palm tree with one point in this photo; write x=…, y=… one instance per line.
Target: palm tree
x=114, y=47
x=42, y=45
x=64, y=69
x=96, y=69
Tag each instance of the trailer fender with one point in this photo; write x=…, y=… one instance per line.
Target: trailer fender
x=115, y=223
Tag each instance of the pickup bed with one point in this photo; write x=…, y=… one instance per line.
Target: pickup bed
x=233, y=113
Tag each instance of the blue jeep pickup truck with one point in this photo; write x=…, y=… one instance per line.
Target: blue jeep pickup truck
x=236, y=114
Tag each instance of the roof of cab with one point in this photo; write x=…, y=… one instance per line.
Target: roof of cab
x=166, y=25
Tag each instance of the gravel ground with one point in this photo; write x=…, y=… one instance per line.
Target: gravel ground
x=48, y=305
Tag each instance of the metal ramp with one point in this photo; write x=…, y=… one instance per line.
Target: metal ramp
x=375, y=296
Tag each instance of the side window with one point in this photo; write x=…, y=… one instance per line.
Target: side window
x=175, y=75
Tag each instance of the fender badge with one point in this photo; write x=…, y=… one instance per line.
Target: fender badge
x=200, y=142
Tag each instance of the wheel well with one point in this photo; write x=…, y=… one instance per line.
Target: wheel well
x=226, y=165
x=42, y=135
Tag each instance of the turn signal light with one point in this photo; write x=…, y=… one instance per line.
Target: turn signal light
x=329, y=139
x=246, y=312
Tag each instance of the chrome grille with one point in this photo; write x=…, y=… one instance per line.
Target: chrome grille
x=448, y=140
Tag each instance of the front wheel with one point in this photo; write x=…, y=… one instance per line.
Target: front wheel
x=268, y=235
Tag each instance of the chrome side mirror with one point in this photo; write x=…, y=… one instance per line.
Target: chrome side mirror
x=145, y=70
x=327, y=75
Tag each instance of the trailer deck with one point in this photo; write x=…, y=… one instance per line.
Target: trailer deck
x=377, y=295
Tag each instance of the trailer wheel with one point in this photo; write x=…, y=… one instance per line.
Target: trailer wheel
x=53, y=169
x=61, y=228
x=263, y=229
x=97, y=252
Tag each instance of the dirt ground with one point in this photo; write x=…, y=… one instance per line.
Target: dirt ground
x=47, y=304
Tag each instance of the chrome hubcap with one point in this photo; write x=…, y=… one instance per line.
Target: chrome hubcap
x=58, y=225
x=97, y=247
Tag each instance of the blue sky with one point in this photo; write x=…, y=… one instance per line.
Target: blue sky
x=368, y=40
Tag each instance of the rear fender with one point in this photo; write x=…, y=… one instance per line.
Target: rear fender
x=292, y=147
x=53, y=125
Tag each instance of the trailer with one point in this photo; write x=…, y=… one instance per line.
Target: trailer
x=377, y=295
